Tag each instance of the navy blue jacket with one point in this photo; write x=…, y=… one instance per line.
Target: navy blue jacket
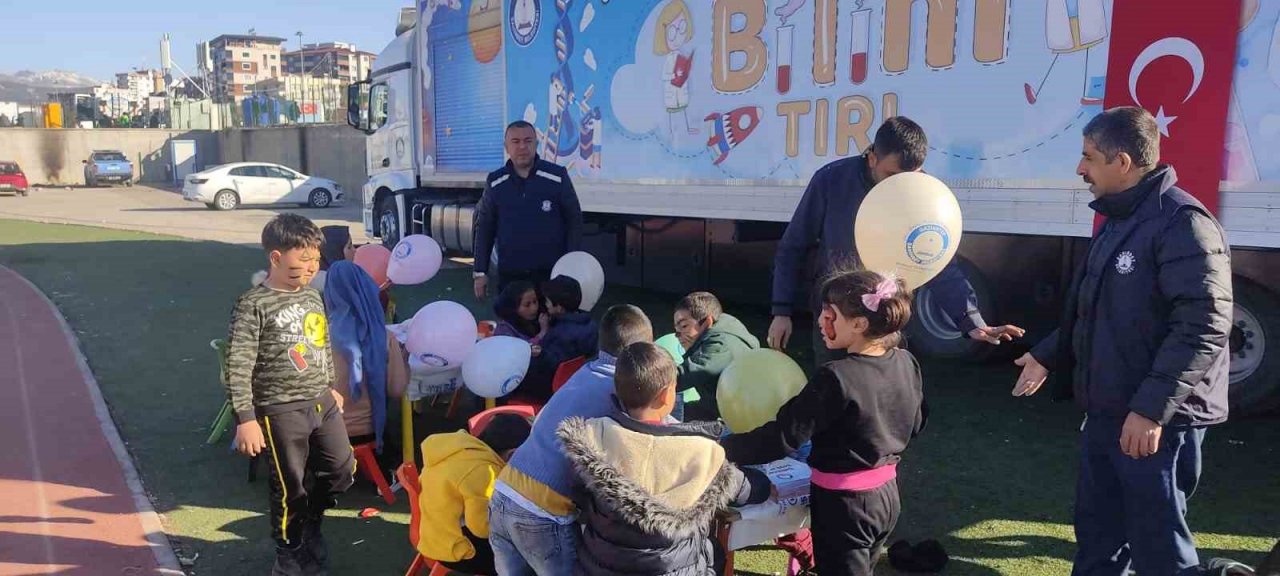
x=823, y=222
x=1148, y=316
x=533, y=221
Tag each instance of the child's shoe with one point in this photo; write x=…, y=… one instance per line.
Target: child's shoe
x=290, y=561
x=316, y=548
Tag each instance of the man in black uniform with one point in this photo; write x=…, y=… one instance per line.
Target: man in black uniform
x=529, y=210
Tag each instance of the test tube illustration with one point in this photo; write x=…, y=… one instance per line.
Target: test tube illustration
x=859, y=44
x=784, y=59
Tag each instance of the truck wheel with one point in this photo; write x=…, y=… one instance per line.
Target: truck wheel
x=226, y=200
x=387, y=221
x=932, y=333
x=1255, y=350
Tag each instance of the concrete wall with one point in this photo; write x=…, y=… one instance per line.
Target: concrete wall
x=53, y=157
x=329, y=151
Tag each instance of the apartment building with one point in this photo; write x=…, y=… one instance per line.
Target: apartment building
x=233, y=63
x=330, y=60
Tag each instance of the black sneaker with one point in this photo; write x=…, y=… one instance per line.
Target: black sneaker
x=289, y=562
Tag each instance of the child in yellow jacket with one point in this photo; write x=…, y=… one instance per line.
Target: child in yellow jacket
x=457, y=480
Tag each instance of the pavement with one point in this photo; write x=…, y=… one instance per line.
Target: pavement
x=71, y=502
x=163, y=211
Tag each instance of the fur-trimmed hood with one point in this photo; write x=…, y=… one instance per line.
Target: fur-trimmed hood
x=666, y=481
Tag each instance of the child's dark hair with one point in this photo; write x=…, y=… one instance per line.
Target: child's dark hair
x=507, y=307
x=506, y=432
x=643, y=372
x=563, y=291
x=622, y=326
x=290, y=231
x=845, y=291
x=700, y=306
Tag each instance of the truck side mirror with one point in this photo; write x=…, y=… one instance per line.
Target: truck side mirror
x=357, y=96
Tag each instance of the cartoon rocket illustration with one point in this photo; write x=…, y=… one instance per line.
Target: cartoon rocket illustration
x=730, y=129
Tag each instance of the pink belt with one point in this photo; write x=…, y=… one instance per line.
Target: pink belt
x=859, y=481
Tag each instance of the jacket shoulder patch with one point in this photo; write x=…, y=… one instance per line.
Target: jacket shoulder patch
x=550, y=176
x=499, y=180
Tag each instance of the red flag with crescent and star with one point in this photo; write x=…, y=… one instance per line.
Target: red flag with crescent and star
x=1176, y=58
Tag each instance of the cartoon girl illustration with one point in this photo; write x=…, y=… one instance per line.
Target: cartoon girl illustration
x=673, y=34
x=1075, y=26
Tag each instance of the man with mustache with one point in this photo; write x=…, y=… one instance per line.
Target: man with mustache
x=1144, y=335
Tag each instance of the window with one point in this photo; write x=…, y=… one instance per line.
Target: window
x=274, y=72
x=273, y=56
x=244, y=54
x=246, y=66
x=108, y=157
x=254, y=171
x=278, y=172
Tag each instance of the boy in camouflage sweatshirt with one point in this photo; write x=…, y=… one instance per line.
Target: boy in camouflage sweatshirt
x=279, y=377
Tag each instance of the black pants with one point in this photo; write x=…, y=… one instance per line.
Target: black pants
x=481, y=563
x=850, y=528
x=536, y=277
x=310, y=462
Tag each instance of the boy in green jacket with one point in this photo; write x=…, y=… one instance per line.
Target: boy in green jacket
x=711, y=339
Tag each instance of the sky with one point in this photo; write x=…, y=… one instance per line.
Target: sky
x=99, y=39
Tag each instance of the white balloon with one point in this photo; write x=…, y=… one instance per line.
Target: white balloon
x=442, y=334
x=587, y=271
x=414, y=260
x=496, y=366
x=909, y=225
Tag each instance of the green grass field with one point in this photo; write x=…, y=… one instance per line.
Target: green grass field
x=992, y=477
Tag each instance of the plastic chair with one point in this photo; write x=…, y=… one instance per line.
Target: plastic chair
x=565, y=371
x=407, y=477
x=367, y=463
x=480, y=421
x=226, y=414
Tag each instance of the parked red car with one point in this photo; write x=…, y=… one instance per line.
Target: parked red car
x=12, y=180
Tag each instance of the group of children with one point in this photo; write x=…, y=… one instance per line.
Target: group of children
x=625, y=465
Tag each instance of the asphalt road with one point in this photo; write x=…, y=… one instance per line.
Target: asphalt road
x=161, y=211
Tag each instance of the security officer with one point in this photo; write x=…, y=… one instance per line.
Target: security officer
x=529, y=210
x=1145, y=334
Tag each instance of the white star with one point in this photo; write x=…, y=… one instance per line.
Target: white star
x=1164, y=121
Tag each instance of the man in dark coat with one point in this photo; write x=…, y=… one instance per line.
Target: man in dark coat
x=821, y=233
x=1144, y=335
x=529, y=211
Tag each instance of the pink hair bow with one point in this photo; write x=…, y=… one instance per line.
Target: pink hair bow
x=884, y=290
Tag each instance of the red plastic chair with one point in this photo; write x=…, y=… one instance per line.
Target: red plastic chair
x=480, y=421
x=407, y=475
x=565, y=371
x=367, y=463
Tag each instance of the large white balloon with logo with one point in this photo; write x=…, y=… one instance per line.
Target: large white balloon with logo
x=909, y=225
x=442, y=334
x=496, y=366
x=414, y=260
x=587, y=271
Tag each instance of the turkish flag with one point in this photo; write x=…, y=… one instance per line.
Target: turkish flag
x=1175, y=58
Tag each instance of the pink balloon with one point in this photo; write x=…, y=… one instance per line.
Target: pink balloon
x=373, y=258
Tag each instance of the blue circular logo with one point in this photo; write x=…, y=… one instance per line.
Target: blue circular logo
x=927, y=243
x=523, y=20
x=432, y=360
x=403, y=250
x=510, y=384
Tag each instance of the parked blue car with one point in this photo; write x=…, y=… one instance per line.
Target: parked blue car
x=107, y=166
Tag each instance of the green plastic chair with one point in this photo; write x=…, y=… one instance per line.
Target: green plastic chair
x=226, y=414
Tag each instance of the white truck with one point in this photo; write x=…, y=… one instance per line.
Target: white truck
x=691, y=127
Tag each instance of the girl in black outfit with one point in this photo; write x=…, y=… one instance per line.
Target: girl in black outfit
x=860, y=412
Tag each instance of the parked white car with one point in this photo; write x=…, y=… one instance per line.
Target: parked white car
x=230, y=185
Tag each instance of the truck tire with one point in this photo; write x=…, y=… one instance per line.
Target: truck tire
x=931, y=333
x=1255, y=350
x=386, y=219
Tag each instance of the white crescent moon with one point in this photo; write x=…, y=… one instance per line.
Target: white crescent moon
x=1180, y=47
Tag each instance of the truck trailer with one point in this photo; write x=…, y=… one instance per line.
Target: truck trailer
x=690, y=129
